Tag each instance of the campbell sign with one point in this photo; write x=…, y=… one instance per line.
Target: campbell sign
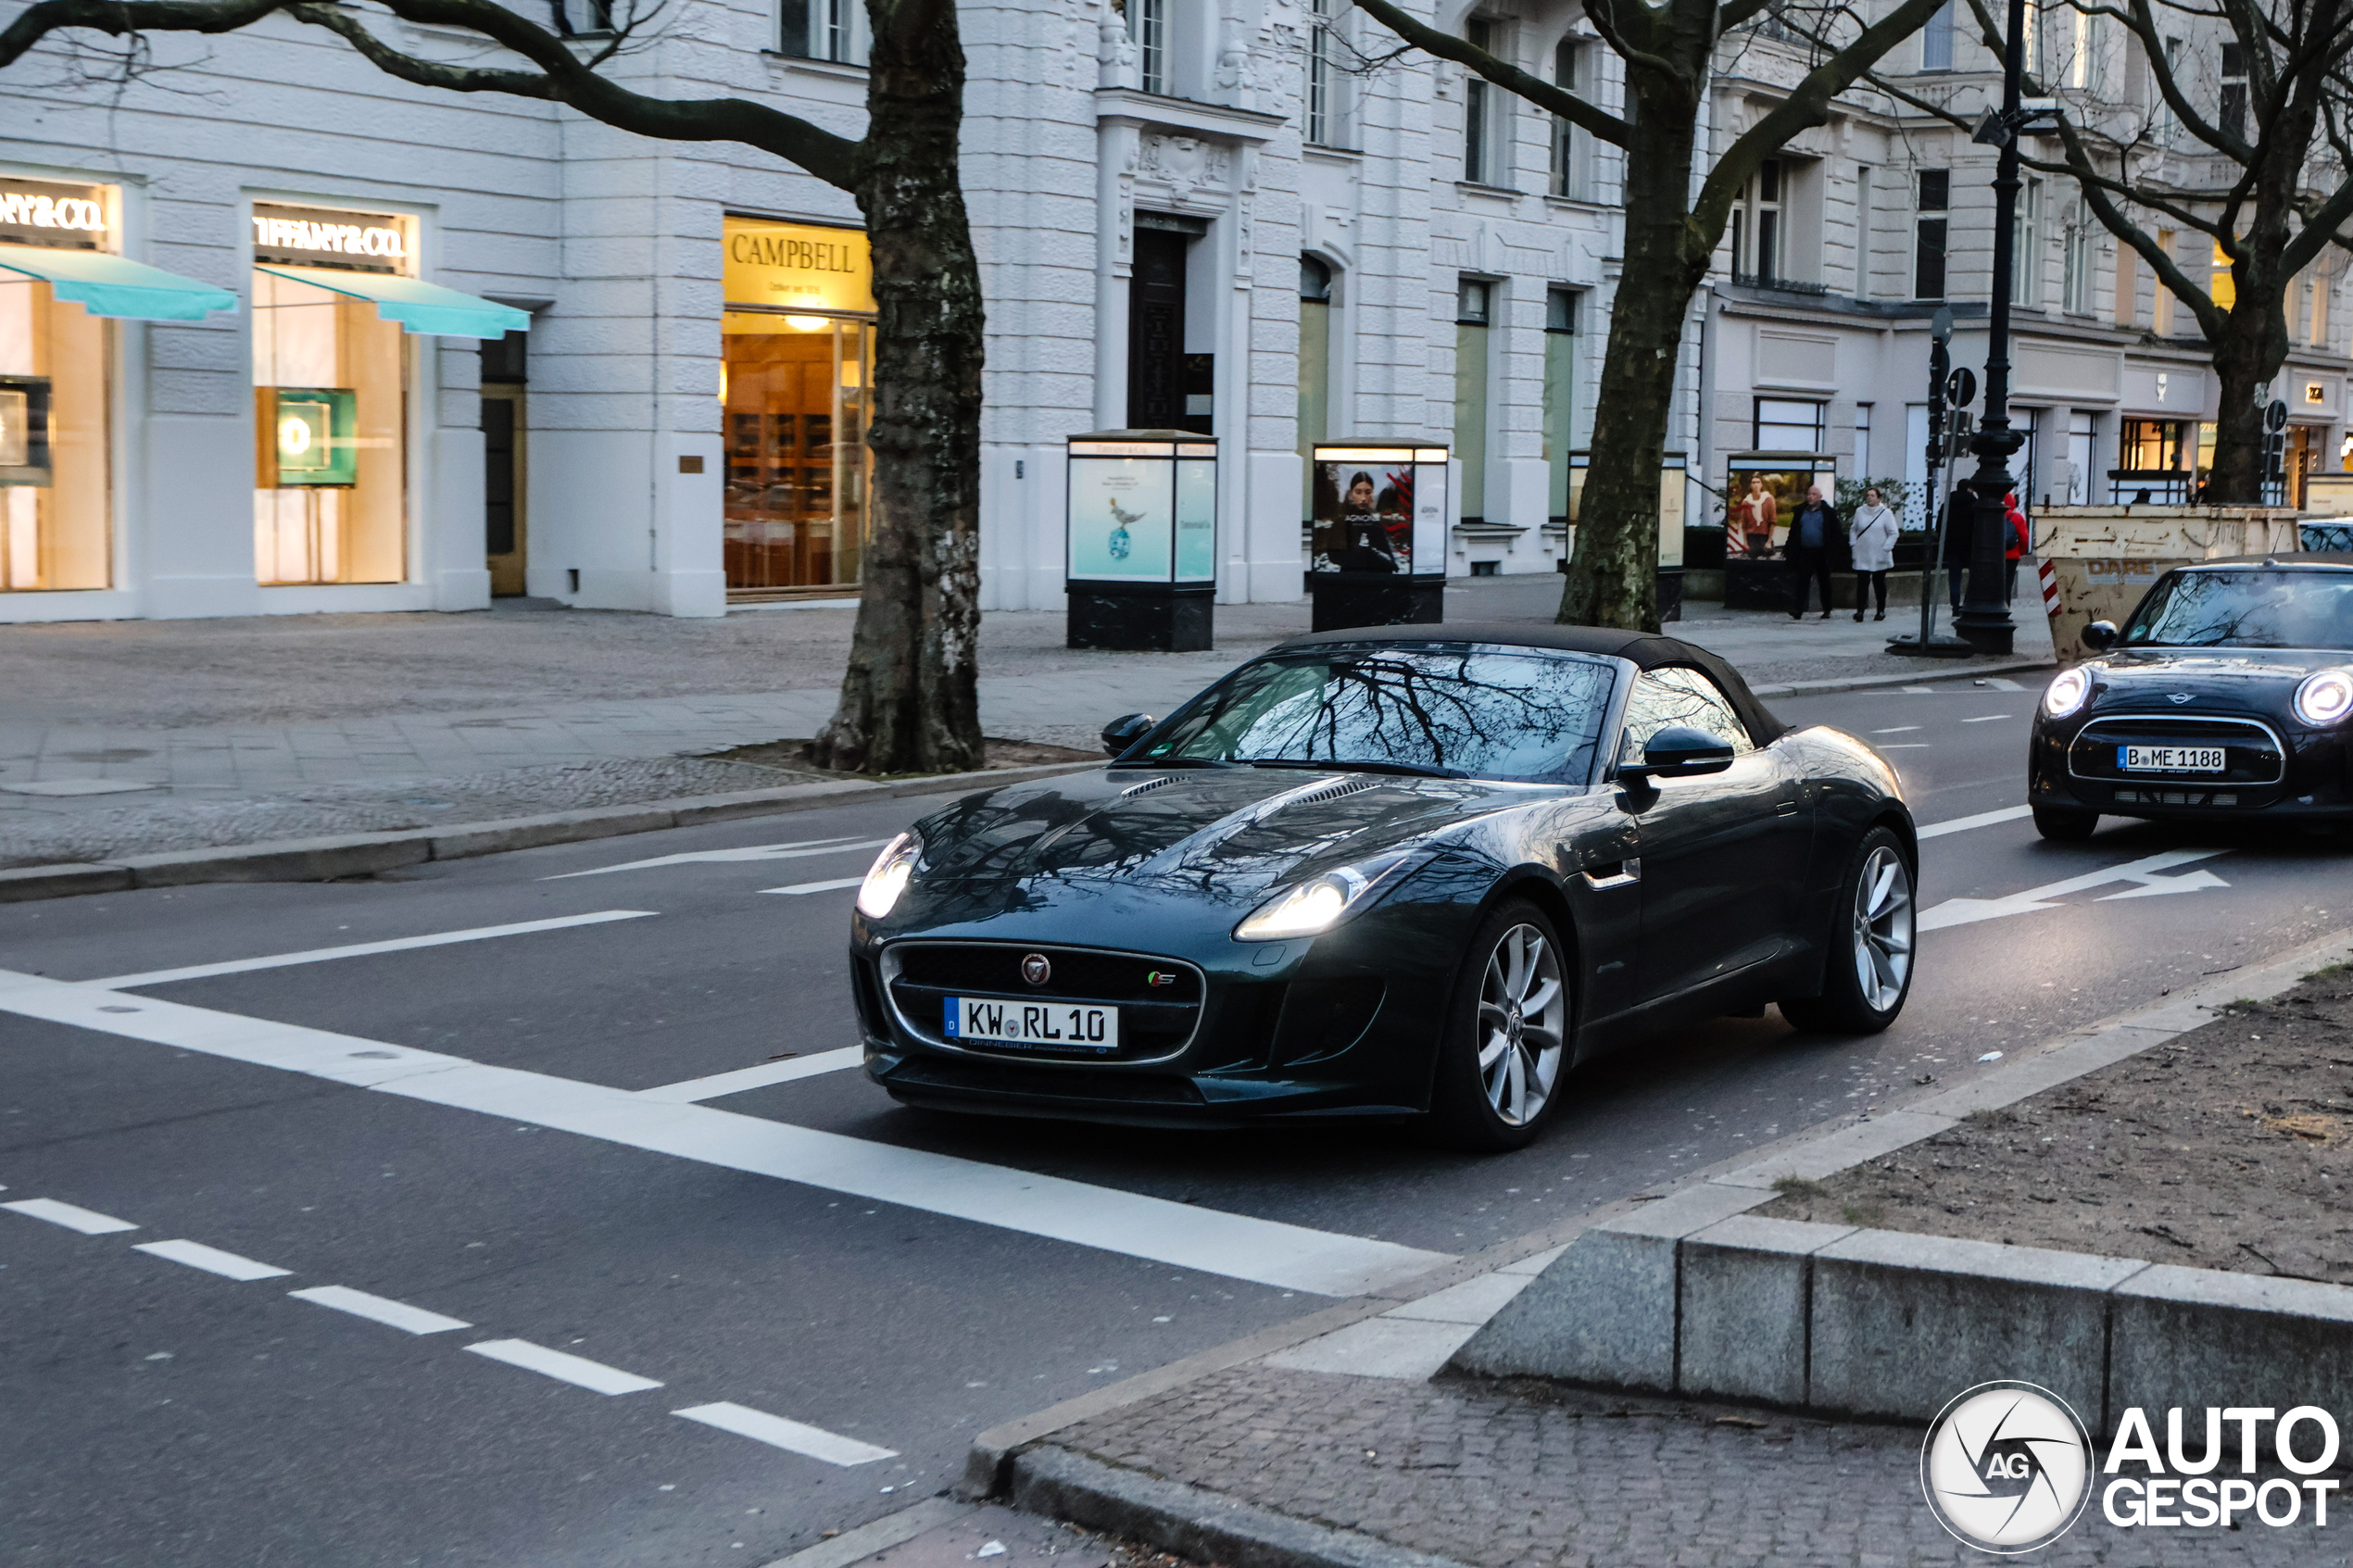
x=796, y=267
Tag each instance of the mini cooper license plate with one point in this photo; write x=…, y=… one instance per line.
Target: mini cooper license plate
x=2171, y=758
x=1048, y=1025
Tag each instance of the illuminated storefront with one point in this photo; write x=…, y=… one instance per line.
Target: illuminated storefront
x=59, y=283
x=798, y=362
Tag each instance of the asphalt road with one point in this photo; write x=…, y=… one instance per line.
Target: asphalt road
x=803, y=1249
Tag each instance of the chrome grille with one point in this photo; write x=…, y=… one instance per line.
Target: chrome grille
x=2252, y=752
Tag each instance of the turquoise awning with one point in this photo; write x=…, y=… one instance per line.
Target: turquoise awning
x=419, y=307
x=110, y=286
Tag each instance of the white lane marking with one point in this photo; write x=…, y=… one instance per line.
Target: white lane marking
x=835, y=886
x=576, y=1370
x=362, y=949
x=778, y=1432
x=1904, y=746
x=89, y=1222
x=1982, y=819
x=378, y=1308
x=1964, y=911
x=693, y=1091
x=212, y=1261
x=2001, y=683
x=1920, y=691
x=791, y=851
x=1235, y=1246
x=1897, y=730
x=1986, y=719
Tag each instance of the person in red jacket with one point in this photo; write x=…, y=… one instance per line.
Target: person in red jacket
x=2018, y=540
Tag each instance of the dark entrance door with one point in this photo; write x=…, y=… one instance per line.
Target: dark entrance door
x=1167, y=388
x=503, y=433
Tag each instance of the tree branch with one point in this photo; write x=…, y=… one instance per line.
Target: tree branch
x=1535, y=89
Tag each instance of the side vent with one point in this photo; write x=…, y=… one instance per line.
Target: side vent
x=1147, y=786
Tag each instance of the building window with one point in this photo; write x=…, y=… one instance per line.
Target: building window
x=2321, y=283
x=1863, y=441
x=1572, y=146
x=2150, y=446
x=2126, y=302
x=2222, y=284
x=54, y=358
x=1327, y=81
x=1785, y=425
x=2168, y=126
x=331, y=397
x=1474, y=305
x=2161, y=307
x=1928, y=234
x=1864, y=217
x=2079, y=65
x=1757, y=226
x=797, y=363
x=1148, y=25
x=2083, y=454
x=1560, y=394
x=2026, y=247
x=823, y=30
x=1936, y=39
x=2075, y=284
x=1315, y=368
x=2233, y=90
x=1486, y=115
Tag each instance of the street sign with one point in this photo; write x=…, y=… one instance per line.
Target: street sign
x=1960, y=387
x=2275, y=417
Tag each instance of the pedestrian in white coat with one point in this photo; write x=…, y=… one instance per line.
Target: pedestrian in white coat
x=1870, y=540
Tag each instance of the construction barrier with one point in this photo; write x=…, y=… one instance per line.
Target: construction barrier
x=2100, y=560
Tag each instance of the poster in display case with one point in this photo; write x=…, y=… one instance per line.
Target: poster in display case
x=1142, y=551
x=25, y=430
x=1376, y=539
x=308, y=436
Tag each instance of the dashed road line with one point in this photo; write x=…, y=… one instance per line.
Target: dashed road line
x=89, y=1222
x=212, y=1261
x=1132, y=1224
x=800, y=887
x=580, y=1371
x=1987, y=718
x=362, y=949
x=378, y=1308
x=791, y=851
x=1982, y=819
x=696, y=1090
x=792, y=1435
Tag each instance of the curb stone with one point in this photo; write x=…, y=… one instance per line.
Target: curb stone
x=1919, y=678
x=1004, y=1457
x=366, y=854
x=1202, y=1525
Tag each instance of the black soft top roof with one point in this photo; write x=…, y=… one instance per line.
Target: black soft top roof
x=1646, y=650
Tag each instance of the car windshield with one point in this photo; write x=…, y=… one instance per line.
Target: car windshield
x=1467, y=711
x=2255, y=608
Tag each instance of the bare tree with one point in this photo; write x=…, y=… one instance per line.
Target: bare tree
x=1672, y=229
x=908, y=701
x=2266, y=182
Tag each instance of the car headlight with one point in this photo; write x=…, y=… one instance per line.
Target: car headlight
x=1311, y=908
x=2325, y=697
x=879, y=893
x=2066, y=693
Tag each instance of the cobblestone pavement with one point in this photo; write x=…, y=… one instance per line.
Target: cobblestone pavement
x=1482, y=1475
x=127, y=737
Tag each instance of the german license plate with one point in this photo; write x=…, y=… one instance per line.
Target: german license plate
x=2171, y=758
x=1043, y=1026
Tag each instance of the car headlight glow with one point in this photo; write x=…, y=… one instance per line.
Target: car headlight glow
x=879, y=895
x=2325, y=697
x=2068, y=692
x=1311, y=908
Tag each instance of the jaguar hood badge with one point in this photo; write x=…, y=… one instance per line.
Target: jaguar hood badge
x=1035, y=969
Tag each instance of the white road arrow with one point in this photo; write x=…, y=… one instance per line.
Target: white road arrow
x=1964, y=911
x=791, y=851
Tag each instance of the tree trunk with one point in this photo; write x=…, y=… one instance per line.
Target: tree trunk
x=1613, y=568
x=909, y=699
x=2244, y=360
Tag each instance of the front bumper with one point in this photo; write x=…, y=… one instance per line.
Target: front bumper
x=2311, y=779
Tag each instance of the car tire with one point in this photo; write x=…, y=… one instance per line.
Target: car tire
x=2062, y=826
x=1866, y=971
x=1499, y=1075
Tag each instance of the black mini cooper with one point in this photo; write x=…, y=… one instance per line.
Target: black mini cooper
x=2228, y=694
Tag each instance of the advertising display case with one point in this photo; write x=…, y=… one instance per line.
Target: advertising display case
x=1141, y=523
x=1376, y=544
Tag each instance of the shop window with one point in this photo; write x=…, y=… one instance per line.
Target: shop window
x=797, y=345
x=54, y=358
x=331, y=379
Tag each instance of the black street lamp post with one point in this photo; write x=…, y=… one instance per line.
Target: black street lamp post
x=1985, y=620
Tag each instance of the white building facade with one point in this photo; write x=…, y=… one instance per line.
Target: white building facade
x=316, y=340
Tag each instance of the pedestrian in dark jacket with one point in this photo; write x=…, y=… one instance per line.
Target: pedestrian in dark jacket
x=1811, y=529
x=1960, y=531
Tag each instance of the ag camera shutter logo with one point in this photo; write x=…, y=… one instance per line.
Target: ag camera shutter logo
x=2007, y=1467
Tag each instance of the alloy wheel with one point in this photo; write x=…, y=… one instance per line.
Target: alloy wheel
x=1882, y=929
x=1523, y=1012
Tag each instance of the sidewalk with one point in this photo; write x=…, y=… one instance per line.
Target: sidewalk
x=136, y=737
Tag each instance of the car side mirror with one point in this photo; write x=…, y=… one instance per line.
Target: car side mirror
x=1680, y=752
x=1121, y=734
x=2100, y=635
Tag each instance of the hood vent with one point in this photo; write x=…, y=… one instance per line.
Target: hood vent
x=1339, y=789
x=1147, y=786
